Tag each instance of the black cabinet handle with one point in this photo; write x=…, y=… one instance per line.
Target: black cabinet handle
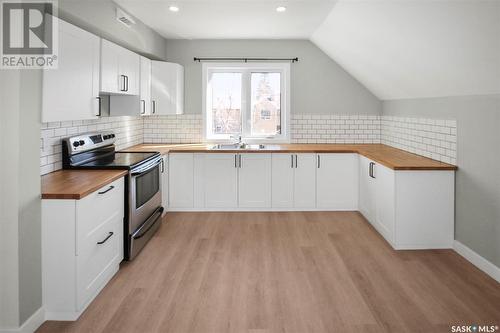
x=109, y=189
x=162, y=165
x=122, y=88
x=235, y=160
x=319, y=161
x=143, y=108
x=105, y=239
x=296, y=162
x=239, y=156
x=371, y=169
x=126, y=83
x=292, y=160
x=153, y=106
x=99, y=106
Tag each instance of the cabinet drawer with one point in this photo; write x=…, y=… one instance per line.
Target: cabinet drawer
x=96, y=263
x=98, y=207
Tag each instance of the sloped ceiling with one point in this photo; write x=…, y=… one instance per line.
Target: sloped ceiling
x=413, y=49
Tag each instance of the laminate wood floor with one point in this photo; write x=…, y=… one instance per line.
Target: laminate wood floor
x=286, y=272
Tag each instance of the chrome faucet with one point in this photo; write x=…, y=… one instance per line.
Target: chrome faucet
x=239, y=142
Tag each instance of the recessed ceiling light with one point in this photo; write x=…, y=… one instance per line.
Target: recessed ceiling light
x=173, y=9
x=280, y=9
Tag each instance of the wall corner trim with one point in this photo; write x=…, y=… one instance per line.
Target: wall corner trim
x=30, y=325
x=478, y=261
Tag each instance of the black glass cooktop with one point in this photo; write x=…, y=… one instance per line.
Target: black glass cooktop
x=121, y=160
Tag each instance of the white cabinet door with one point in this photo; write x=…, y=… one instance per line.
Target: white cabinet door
x=305, y=181
x=221, y=180
x=164, y=182
x=70, y=92
x=130, y=64
x=181, y=180
x=254, y=177
x=167, y=88
x=282, y=180
x=337, y=181
x=385, y=201
x=120, y=69
x=367, y=188
x=145, y=87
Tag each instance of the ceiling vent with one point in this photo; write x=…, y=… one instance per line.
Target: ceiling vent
x=124, y=18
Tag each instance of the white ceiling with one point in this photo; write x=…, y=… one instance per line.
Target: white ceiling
x=412, y=49
x=396, y=48
x=226, y=19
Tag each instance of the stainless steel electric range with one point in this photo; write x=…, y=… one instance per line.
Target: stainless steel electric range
x=142, y=187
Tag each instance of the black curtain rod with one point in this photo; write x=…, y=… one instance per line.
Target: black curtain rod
x=246, y=59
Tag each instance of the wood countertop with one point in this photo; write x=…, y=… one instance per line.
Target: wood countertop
x=76, y=184
x=390, y=157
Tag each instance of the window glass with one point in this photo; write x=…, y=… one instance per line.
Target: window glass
x=226, y=103
x=266, y=104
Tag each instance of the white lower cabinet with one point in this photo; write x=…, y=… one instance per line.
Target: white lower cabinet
x=181, y=180
x=220, y=175
x=337, y=181
x=82, y=247
x=410, y=209
x=254, y=180
x=293, y=181
x=164, y=182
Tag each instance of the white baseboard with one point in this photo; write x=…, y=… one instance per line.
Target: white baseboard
x=30, y=325
x=478, y=261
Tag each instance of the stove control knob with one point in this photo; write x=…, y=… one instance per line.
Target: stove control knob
x=112, y=135
x=81, y=142
x=76, y=144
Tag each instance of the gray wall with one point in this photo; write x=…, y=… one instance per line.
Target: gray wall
x=99, y=17
x=318, y=84
x=478, y=177
x=20, y=256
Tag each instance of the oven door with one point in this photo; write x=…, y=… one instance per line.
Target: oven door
x=144, y=193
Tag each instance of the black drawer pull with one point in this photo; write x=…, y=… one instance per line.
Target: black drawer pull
x=109, y=189
x=105, y=239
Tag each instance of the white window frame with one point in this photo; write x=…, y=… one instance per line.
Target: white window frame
x=246, y=69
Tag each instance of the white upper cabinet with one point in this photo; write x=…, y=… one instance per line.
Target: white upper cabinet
x=120, y=69
x=254, y=180
x=167, y=88
x=337, y=181
x=71, y=91
x=145, y=87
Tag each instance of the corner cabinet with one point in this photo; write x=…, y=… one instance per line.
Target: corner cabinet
x=82, y=247
x=167, y=88
x=411, y=209
x=120, y=70
x=71, y=91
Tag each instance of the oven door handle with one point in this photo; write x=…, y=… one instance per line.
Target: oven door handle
x=147, y=167
x=150, y=222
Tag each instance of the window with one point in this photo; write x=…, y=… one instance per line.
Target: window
x=250, y=100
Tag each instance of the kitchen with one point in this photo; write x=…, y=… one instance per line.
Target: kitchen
x=172, y=174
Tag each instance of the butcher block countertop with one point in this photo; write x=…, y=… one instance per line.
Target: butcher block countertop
x=76, y=184
x=393, y=158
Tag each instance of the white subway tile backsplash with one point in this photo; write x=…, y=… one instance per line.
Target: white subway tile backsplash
x=128, y=130
x=433, y=138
